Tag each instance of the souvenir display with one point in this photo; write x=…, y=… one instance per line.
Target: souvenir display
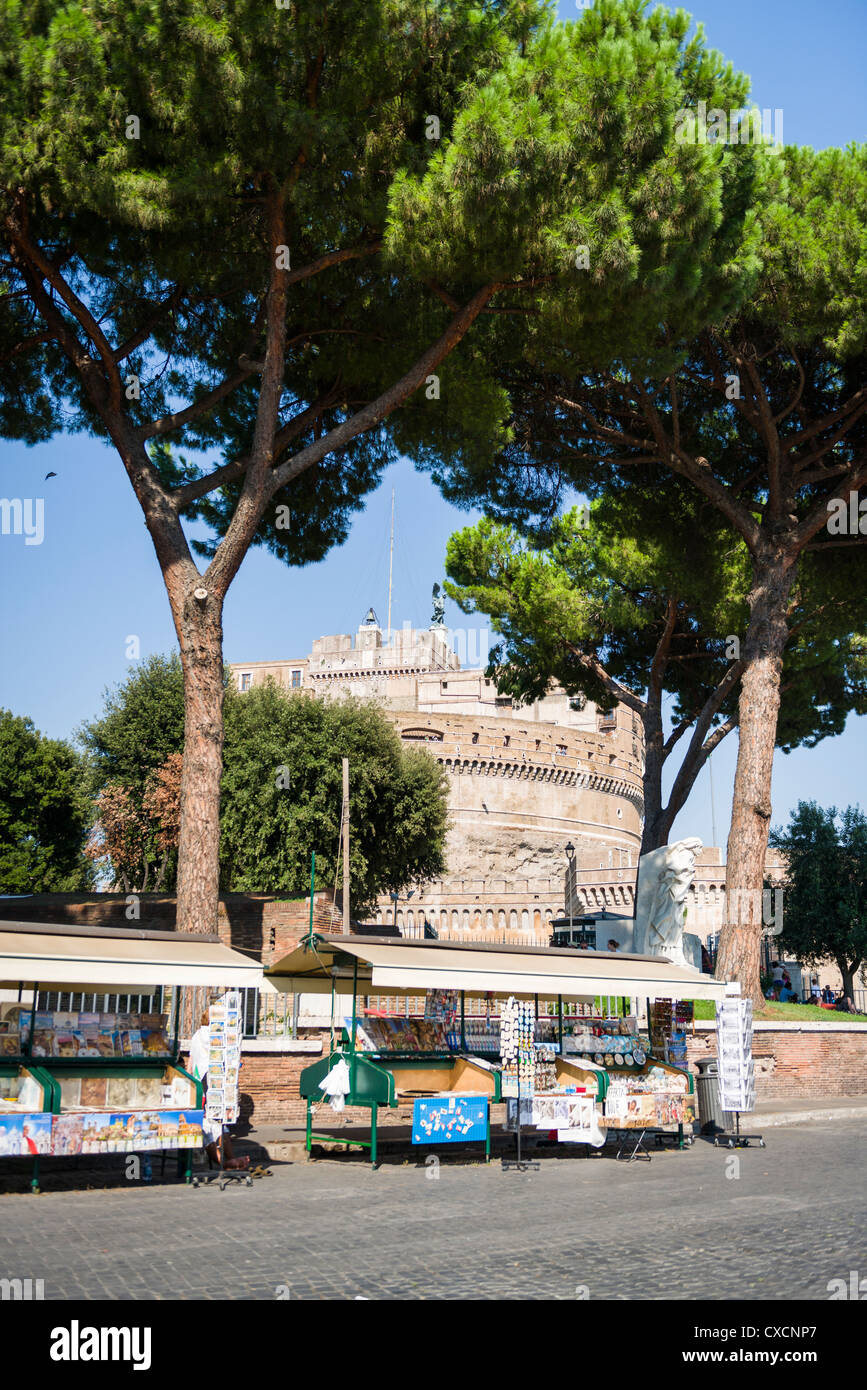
x=657, y=1098
x=224, y=1058
x=449, y=1119
x=63, y=1034
x=407, y=1034
x=669, y=1021
x=442, y=1005
x=546, y=1073
x=602, y=1037
x=517, y=1032
x=737, y=1082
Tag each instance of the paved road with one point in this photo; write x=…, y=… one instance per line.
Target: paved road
x=677, y=1227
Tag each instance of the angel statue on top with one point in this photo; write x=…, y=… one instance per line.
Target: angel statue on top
x=439, y=607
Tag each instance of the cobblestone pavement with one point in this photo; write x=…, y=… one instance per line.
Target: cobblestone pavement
x=676, y=1227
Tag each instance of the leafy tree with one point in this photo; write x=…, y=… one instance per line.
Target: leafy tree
x=193, y=203
x=825, y=887
x=43, y=811
x=639, y=598
x=237, y=230
x=268, y=829
x=141, y=724
x=282, y=795
x=764, y=413
x=131, y=836
x=132, y=748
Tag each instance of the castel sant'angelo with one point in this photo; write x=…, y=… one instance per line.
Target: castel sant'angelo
x=525, y=782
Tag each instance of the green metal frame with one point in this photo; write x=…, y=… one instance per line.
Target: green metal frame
x=371, y=1085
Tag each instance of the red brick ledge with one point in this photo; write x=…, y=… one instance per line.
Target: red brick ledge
x=812, y=1025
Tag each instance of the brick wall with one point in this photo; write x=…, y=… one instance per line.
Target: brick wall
x=800, y=1061
x=269, y=1093
x=262, y=923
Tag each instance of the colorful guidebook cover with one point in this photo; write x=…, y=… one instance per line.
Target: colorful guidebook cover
x=25, y=1134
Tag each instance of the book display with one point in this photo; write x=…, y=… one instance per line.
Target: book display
x=89, y=1035
x=92, y=1083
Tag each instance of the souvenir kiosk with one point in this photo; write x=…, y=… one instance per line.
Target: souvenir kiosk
x=441, y=1065
x=94, y=1079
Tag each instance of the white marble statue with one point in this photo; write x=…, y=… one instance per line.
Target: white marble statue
x=664, y=876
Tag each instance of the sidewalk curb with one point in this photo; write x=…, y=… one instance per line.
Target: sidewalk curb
x=799, y=1117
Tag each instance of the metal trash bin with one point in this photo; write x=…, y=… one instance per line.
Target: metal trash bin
x=707, y=1089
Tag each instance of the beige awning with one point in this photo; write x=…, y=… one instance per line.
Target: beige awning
x=94, y=959
x=387, y=964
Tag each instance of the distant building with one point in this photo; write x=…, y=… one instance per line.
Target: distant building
x=525, y=781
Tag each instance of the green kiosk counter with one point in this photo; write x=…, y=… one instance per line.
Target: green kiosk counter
x=380, y=1077
x=97, y=1080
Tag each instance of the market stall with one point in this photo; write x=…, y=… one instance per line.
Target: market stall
x=101, y=1080
x=624, y=1085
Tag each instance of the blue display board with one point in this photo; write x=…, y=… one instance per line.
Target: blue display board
x=449, y=1119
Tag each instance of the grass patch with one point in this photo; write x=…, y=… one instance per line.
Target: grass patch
x=784, y=1013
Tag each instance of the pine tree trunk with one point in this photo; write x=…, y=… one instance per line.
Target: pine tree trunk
x=201, y=642
x=656, y=831
x=848, y=978
x=657, y=822
x=740, y=938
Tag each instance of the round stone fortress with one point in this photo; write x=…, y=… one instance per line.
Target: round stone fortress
x=524, y=781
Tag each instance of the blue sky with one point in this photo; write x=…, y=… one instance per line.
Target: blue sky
x=69, y=605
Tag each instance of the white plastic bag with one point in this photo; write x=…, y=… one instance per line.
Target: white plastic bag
x=336, y=1085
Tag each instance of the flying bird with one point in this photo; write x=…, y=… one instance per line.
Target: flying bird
x=50, y=475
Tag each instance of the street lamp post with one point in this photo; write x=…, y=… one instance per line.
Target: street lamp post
x=570, y=858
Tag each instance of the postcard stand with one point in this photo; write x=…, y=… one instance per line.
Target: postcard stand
x=518, y=1031
x=736, y=1140
x=518, y=1164
x=222, y=1175
x=737, y=1084
x=221, y=1099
